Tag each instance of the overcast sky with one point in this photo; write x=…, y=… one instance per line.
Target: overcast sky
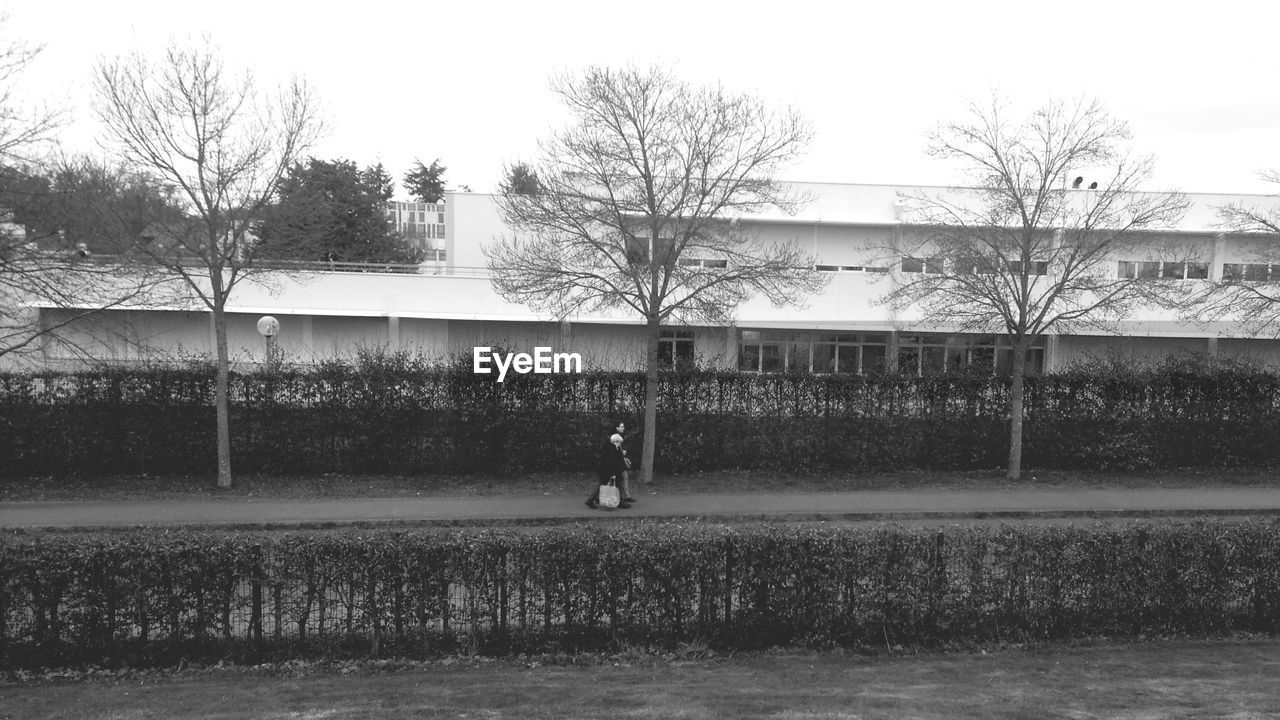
x=466, y=81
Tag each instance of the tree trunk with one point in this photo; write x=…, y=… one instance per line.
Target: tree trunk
x=1019, y=371
x=224, y=419
x=650, y=400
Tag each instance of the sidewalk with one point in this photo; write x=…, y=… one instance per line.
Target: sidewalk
x=847, y=506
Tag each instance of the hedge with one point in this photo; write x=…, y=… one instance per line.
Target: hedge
x=155, y=598
x=395, y=416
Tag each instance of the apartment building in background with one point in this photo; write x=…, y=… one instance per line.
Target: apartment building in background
x=422, y=225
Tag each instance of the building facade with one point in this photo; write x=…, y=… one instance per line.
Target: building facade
x=448, y=306
x=422, y=225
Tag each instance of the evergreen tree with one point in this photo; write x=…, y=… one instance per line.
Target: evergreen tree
x=426, y=183
x=332, y=210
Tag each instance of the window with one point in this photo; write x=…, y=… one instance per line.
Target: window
x=849, y=353
x=1247, y=272
x=638, y=249
x=749, y=355
x=675, y=347
x=695, y=262
x=1173, y=271
x=980, y=266
x=922, y=265
x=772, y=357
x=417, y=221
x=1153, y=270
x=1038, y=267
x=850, y=268
x=1139, y=269
x=763, y=351
x=873, y=358
x=933, y=360
x=982, y=358
x=819, y=352
x=936, y=354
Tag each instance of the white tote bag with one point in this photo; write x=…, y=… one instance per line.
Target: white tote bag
x=609, y=497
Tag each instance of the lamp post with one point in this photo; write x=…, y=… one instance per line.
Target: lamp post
x=269, y=327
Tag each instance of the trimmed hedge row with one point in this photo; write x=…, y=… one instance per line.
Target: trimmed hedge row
x=373, y=418
x=155, y=598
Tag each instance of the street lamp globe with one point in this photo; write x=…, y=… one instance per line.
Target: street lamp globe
x=268, y=326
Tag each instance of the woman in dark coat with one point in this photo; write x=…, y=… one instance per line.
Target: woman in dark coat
x=612, y=464
x=624, y=478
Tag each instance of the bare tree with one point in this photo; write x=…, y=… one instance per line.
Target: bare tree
x=25, y=127
x=1029, y=248
x=187, y=120
x=35, y=270
x=637, y=205
x=1247, y=292
x=71, y=282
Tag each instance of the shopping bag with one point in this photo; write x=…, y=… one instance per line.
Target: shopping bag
x=609, y=496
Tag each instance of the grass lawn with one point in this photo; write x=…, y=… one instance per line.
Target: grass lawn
x=1174, y=679
x=338, y=486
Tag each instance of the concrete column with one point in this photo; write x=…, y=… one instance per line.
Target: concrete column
x=1051, y=350
x=450, y=233
x=891, y=353
x=565, y=340
x=308, y=336
x=1219, y=256
x=1213, y=346
x=731, y=348
x=393, y=332
x=41, y=315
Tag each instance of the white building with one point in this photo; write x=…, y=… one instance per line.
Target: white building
x=449, y=307
x=422, y=225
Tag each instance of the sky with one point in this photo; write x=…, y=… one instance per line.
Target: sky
x=467, y=81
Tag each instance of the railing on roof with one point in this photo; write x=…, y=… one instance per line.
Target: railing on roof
x=427, y=267
x=423, y=268
x=335, y=266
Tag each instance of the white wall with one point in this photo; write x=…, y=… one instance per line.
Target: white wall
x=473, y=223
x=1264, y=351
x=1141, y=349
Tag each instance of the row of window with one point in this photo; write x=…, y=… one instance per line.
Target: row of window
x=851, y=268
x=1250, y=272
x=1133, y=269
x=638, y=253
x=859, y=353
x=868, y=353
x=1150, y=270
x=418, y=207
x=419, y=231
x=980, y=266
x=418, y=221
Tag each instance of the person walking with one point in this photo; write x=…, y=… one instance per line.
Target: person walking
x=612, y=464
x=624, y=481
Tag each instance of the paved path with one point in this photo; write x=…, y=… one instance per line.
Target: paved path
x=864, y=505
